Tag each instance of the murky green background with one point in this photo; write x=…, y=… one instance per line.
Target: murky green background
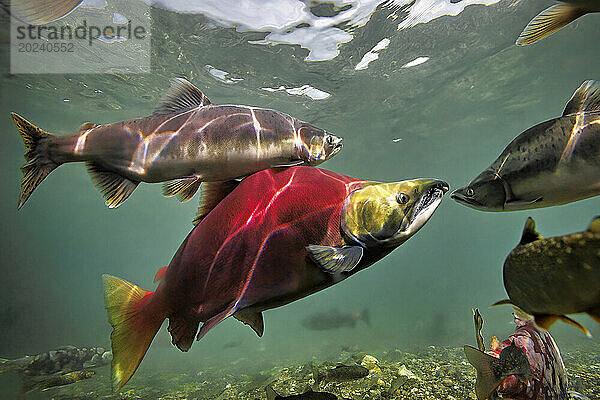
x=454, y=114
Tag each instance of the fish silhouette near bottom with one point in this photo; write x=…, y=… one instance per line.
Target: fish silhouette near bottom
x=307, y=395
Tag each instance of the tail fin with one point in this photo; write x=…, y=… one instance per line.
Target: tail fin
x=135, y=321
x=487, y=381
x=38, y=165
x=365, y=317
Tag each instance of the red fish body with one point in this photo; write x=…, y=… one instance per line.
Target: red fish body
x=525, y=366
x=260, y=248
x=280, y=235
x=548, y=380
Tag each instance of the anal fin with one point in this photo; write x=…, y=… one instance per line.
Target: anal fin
x=183, y=329
x=114, y=187
x=252, y=319
x=184, y=188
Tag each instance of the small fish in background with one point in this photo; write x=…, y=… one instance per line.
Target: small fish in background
x=526, y=366
x=554, y=18
x=307, y=395
x=64, y=359
x=552, y=277
x=232, y=343
x=187, y=141
x=40, y=12
x=553, y=163
x=341, y=373
x=59, y=380
x=334, y=319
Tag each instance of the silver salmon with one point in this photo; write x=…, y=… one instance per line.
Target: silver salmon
x=185, y=142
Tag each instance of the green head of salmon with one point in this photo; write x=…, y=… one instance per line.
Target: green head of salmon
x=388, y=214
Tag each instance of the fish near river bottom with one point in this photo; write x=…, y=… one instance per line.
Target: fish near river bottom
x=280, y=235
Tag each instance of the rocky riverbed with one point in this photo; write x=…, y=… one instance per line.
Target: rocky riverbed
x=432, y=372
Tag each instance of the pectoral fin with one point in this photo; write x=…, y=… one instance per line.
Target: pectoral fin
x=504, y=302
x=212, y=194
x=252, y=319
x=288, y=164
x=184, y=188
x=521, y=203
x=335, y=259
x=114, y=187
x=549, y=21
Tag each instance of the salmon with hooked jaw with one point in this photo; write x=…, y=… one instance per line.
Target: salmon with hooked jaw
x=555, y=162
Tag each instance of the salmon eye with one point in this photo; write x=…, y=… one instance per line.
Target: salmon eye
x=402, y=198
x=469, y=192
x=329, y=139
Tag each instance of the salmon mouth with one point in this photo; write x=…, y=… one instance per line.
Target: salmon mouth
x=425, y=207
x=460, y=197
x=334, y=143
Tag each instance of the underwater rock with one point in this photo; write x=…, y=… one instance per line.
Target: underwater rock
x=369, y=362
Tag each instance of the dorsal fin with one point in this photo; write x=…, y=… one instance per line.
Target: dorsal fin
x=595, y=225
x=181, y=96
x=529, y=232
x=586, y=98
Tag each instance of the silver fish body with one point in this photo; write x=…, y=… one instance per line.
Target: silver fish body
x=552, y=163
x=186, y=141
x=213, y=142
